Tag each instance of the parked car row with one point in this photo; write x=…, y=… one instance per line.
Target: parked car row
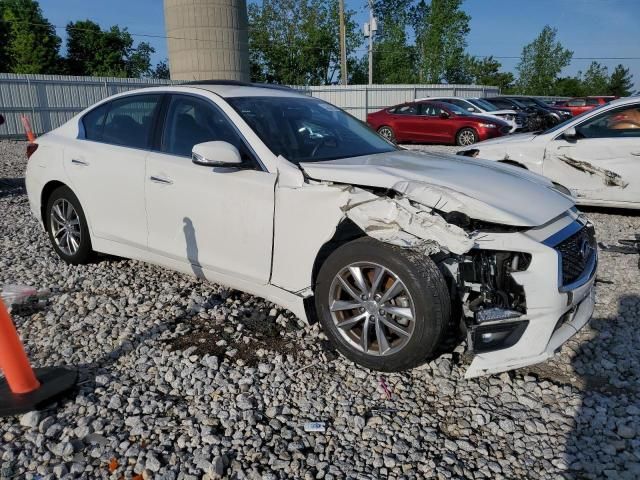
x=464, y=121
x=580, y=105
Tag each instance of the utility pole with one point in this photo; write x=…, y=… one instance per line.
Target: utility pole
x=369, y=29
x=343, y=47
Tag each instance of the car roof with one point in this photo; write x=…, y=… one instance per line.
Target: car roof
x=624, y=101
x=230, y=88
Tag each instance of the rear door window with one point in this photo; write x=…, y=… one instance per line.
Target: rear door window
x=130, y=120
x=406, y=110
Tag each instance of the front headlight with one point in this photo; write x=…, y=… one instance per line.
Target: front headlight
x=488, y=125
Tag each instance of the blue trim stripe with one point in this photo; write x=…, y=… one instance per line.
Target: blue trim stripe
x=563, y=234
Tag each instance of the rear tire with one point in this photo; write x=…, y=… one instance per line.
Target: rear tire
x=67, y=227
x=410, y=286
x=466, y=137
x=387, y=133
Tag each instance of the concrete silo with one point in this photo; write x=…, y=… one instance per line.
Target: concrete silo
x=208, y=39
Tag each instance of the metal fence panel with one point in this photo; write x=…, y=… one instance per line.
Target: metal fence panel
x=50, y=100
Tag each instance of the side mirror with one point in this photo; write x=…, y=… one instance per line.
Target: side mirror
x=1, y=119
x=570, y=134
x=444, y=115
x=216, y=154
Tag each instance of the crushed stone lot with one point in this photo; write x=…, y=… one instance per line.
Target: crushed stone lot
x=184, y=379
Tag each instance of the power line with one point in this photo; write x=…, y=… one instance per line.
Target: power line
x=223, y=42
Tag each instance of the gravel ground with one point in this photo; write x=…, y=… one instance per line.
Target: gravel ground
x=183, y=379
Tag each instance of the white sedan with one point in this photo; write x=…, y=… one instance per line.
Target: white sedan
x=595, y=156
x=290, y=198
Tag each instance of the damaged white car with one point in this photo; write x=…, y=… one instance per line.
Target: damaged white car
x=395, y=253
x=594, y=156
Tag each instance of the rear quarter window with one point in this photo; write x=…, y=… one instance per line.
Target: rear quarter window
x=93, y=122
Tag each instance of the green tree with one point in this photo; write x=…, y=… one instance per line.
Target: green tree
x=296, y=41
x=486, y=71
x=138, y=62
x=441, y=32
x=569, y=87
x=28, y=42
x=541, y=62
x=161, y=70
x=394, y=59
x=110, y=53
x=596, y=80
x=620, y=82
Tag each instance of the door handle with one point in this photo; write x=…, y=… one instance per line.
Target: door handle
x=83, y=163
x=635, y=154
x=163, y=181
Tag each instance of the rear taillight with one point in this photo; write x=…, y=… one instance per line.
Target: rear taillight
x=31, y=149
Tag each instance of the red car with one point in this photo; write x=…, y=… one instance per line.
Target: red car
x=580, y=105
x=435, y=122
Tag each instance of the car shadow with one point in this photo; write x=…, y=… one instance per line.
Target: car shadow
x=12, y=186
x=604, y=441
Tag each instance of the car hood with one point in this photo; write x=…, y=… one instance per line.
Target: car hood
x=481, y=189
x=507, y=139
x=503, y=112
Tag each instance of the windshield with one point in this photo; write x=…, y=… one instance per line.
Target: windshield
x=483, y=104
x=307, y=129
x=457, y=110
x=560, y=126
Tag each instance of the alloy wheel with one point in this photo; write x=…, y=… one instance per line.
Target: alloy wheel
x=467, y=137
x=65, y=226
x=372, y=309
x=387, y=133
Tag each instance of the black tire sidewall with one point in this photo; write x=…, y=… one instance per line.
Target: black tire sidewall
x=426, y=287
x=475, y=137
x=85, y=252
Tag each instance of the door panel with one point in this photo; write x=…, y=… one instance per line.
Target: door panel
x=596, y=168
x=109, y=182
x=213, y=218
x=218, y=219
x=107, y=167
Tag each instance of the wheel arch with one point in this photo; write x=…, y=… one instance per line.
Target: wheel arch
x=346, y=231
x=47, y=190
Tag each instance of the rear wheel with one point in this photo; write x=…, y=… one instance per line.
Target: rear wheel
x=67, y=227
x=383, y=307
x=387, y=133
x=466, y=137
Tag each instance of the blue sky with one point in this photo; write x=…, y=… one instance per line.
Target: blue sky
x=591, y=28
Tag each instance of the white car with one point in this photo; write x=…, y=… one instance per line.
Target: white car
x=480, y=106
x=594, y=156
x=288, y=197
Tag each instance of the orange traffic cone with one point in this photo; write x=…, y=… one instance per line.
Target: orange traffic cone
x=26, y=124
x=24, y=389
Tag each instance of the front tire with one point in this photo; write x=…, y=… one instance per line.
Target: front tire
x=466, y=137
x=383, y=307
x=67, y=227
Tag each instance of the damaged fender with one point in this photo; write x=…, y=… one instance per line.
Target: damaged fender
x=307, y=214
x=399, y=222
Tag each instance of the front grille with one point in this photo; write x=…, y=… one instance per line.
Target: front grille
x=505, y=130
x=576, y=253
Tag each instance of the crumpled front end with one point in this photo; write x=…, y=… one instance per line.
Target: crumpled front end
x=526, y=293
